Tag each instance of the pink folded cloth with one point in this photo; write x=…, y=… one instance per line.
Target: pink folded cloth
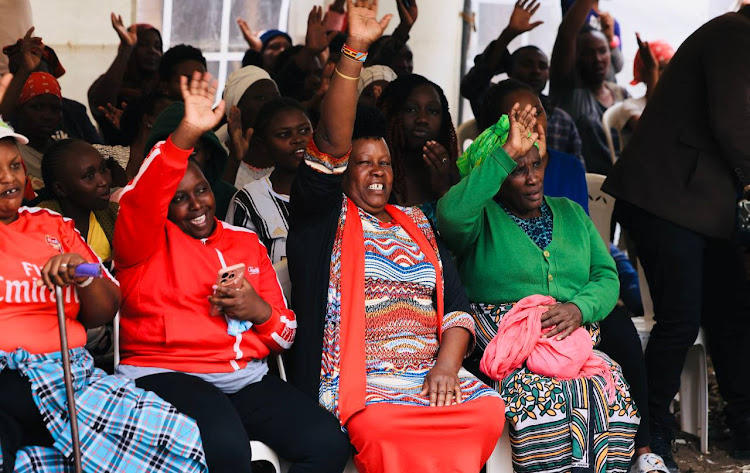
x=519, y=339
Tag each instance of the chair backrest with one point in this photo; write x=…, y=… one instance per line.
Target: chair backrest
x=282, y=273
x=466, y=131
x=601, y=206
x=608, y=123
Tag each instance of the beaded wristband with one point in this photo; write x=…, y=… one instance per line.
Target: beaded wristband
x=353, y=53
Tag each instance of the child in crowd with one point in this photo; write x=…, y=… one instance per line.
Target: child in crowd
x=282, y=133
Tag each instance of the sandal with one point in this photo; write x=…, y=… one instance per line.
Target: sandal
x=649, y=463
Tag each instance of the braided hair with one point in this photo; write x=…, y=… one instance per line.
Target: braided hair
x=52, y=162
x=391, y=103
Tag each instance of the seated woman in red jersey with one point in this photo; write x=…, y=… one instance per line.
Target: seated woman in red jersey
x=211, y=364
x=121, y=426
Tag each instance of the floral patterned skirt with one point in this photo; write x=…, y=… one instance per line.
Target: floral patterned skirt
x=563, y=426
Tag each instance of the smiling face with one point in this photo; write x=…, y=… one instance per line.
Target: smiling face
x=84, y=180
x=523, y=190
x=12, y=177
x=257, y=95
x=192, y=207
x=421, y=116
x=286, y=138
x=369, y=177
x=39, y=117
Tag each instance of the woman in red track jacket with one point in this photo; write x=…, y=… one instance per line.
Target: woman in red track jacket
x=168, y=250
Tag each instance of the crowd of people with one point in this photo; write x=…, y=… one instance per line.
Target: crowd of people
x=471, y=285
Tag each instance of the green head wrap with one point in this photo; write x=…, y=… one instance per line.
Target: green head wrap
x=485, y=144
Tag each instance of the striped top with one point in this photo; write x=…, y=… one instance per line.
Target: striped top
x=401, y=335
x=259, y=208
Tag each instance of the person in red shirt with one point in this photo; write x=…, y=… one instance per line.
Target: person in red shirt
x=170, y=247
x=40, y=250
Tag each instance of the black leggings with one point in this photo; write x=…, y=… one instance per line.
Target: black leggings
x=621, y=342
x=21, y=424
x=271, y=411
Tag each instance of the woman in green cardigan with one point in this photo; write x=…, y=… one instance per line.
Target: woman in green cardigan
x=512, y=242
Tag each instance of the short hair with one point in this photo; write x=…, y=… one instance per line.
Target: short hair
x=270, y=110
x=489, y=111
x=514, y=57
x=177, y=55
x=369, y=124
x=252, y=58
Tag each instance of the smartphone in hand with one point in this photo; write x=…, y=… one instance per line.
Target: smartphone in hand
x=231, y=277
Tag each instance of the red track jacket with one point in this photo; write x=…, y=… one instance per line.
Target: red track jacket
x=166, y=278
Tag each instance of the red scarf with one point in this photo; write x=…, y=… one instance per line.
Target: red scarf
x=353, y=377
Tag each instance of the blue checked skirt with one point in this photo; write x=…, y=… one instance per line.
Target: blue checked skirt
x=122, y=428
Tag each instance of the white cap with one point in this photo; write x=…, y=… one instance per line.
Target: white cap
x=7, y=131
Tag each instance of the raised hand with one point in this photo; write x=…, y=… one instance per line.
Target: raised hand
x=316, y=39
x=4, y=84
x=199, y=96
x=128, y=37
x=523, y=131
x=520, y=19
x=31, y=52
x=113, y=114
x=608, y=25
x=438, y=163
x=407, y=15
x=363, y=24
x=239, y=142
x=253, y=40
x=541, y=140
x=647, y=56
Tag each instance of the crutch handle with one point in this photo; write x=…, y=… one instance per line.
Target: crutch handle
x=88, y=270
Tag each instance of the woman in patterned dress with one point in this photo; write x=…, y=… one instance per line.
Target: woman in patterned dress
x=383, y=322
x=512, y=242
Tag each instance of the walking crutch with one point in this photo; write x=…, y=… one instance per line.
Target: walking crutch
x=82, y=270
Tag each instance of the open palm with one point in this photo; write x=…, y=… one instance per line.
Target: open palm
x=523, y=131
x=128, y=37
x=199, y=95
x=363, y=23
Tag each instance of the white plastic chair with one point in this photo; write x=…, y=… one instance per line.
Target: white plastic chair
x=608, y=123
x=601, y=206
x=694, y=378
x=501, y=460
x=467, y=131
